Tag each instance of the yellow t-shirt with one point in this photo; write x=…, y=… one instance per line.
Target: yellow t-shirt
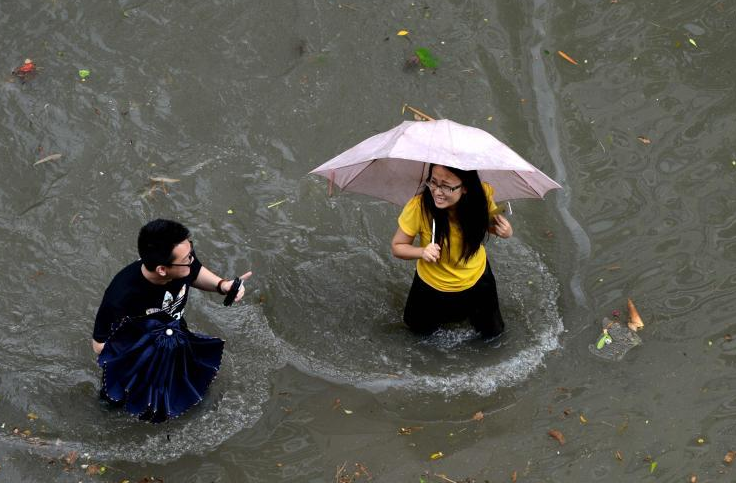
x=447, y=275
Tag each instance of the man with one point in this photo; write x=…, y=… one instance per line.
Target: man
x=159, y=281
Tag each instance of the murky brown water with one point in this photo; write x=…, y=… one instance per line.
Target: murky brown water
x=239, y=101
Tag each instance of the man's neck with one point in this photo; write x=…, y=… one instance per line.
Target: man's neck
x=154, y=277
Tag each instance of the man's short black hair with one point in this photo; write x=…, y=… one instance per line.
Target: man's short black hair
x=156, y=242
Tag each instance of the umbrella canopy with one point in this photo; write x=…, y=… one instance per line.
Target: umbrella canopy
x=393, y=165
x=157, y=367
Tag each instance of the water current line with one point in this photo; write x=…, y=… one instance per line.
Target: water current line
x=546, y=109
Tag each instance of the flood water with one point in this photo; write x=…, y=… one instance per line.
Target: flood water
x=239, y=101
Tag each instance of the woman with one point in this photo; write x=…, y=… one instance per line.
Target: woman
x=453, y=279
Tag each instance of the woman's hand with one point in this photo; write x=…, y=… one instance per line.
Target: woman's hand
x=501, y=227
x=431, y=253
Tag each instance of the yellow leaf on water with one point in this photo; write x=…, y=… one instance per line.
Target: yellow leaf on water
x=635, y=322
x=644, y=140
x=32, y=416
x=436, y=456
x=583, y=420
x=402, y=33
x=693, y=42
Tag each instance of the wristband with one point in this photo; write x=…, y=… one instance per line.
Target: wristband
x=219, y=286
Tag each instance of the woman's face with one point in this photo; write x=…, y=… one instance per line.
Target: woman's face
x=445, y=187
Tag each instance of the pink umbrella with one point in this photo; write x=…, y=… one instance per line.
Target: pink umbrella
x=393, y=165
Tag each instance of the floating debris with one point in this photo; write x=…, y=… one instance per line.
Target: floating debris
x=51, y=157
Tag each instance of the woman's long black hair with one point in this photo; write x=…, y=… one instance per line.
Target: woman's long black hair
x=471, y=213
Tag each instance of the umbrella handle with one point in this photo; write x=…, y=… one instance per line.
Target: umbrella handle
x=432, y=232
x=417, y=112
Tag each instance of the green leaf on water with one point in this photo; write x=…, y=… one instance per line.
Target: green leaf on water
x=426, y=58
x=652, y=467
x=546, y=52
x=83, y=73
x=422, y=480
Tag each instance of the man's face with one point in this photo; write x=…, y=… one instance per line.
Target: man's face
x=183, y=257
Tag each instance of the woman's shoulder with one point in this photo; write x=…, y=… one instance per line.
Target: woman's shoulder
x=488, y=189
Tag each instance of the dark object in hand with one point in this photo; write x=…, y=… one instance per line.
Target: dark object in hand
x=233, y=292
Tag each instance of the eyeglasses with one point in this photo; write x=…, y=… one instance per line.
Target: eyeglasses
x=443, y=188
x=190, y=257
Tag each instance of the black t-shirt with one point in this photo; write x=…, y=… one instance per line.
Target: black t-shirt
x=131, y=295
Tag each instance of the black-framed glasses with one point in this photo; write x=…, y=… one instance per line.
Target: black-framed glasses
x=190, y=258
x=443, y=188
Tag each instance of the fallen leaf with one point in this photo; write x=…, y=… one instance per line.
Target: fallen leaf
x=583, y=420
x=426, y=58
x=635, y=322
x=347, y=411
x=478, y=416
x=84, y=73
x=409, y=430
x=567, y=411
x=402, y=33
x=336, y=403
x=619, y=456
x=730, y=456
x=436, y=456
x=32, y=416
x=159, y=179
x=95, y=470
x=692, y=41
x=652, y=467
x=51, y=157
x=701, y=441
x=513, y=477
x=557, y=435
x=71, y=458
x=645, y=140
x=567, y=57
x=230, y=212
x=693, y=479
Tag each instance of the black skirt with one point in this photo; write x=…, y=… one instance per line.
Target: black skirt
x=428, y=308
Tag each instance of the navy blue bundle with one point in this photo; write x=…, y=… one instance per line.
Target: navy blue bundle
x=157, y=367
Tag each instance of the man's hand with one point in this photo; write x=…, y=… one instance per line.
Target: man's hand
x=241, y=292
x=97, y=346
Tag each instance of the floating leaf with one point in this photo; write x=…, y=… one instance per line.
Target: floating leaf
x=567, y=57
x=230, y=212
x=604, y=339
x=692, y=41
x=730, y=456
x=32, y=416
x=71, y=458
x=51, y=157
x=583, y=420
x=478, y=416
x=347, y=411
x=409, y=430
x=160, y=179
x=402, y=33
x=553, y=433
x=437, y=455
x=513, y=477
x=619, y=456
x=426, y=58
x=652, y=466
x=644, y=140
x=635, y=322
x=83, y=73
x=693, y=479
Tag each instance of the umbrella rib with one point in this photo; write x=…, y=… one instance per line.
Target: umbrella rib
x=358, y=174
x=540, y=195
